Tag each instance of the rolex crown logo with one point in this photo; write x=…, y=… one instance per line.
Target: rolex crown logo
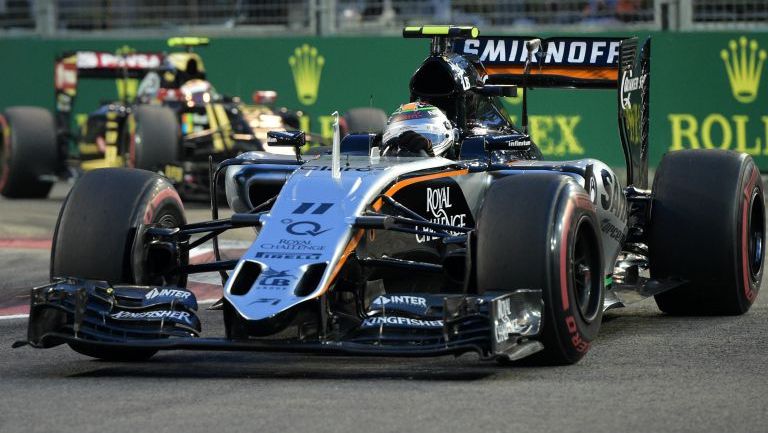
x=744, y=67
x=307, y=66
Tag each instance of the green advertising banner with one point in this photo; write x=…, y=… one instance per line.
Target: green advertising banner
x=706, y=88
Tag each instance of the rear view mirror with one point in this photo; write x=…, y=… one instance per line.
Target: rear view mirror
x=286, y=138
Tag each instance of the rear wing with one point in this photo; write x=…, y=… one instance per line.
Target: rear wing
x=563, y=62
x=583, y=62
x=70, y=67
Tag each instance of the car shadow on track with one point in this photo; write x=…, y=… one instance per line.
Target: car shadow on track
x=267, y=366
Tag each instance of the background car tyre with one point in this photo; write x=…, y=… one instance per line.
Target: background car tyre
x=27, y=152
x=154, y=137
x=708, y=229
x=100, y=229
x=540, y=231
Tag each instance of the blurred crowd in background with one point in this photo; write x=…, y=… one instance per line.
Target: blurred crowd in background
x=276, y=16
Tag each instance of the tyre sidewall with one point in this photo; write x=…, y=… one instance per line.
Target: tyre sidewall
x=526, y=233
x=100, y=230
x=564, y=326
x=750, y=191
x=5, y=158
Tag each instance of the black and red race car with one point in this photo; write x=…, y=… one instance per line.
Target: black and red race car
x=487, y=248
x=168, y=119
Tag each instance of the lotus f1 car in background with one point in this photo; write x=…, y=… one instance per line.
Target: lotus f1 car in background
x=491, y=250
x=169, y=119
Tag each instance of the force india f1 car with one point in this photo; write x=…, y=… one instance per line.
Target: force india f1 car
x=492, y=251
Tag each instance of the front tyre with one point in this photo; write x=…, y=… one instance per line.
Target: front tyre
x=100, y=236
x=540, y=231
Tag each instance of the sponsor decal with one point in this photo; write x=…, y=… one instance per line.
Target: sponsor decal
x=270, y=301
x=167, y=293
x=304, y=228
x=404, y=303
x=316, y=208
x=286, y=256
x=328, y=168
x=744, y=65
x=594, y=52
x=307, y=67
x=593, y=189
x=152, y=315
x=274, y=279
x=293, y=245
x=612, y=199
x=630, y=83
x=97, y=60
x=612, y=231
x=554, y=135
x=403, y=322
x=400, y=299
x=438, y=206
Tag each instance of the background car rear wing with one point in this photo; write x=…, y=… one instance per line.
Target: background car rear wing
x=563, y=62
x=72, y=66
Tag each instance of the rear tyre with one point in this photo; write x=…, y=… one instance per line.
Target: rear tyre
x=540, y=231
x=708, y=229
x=100, y=231
x=153, y=138
x=27, y=152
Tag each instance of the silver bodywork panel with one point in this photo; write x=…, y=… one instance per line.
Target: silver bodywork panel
x=311, y=220
x=314, y=213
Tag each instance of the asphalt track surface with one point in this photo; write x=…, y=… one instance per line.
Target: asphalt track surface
x=647, y=372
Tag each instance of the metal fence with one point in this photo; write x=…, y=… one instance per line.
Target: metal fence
x=282, y=17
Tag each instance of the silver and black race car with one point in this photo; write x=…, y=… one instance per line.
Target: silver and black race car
x=486, y=249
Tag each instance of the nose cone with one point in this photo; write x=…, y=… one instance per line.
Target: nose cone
x=261, y=291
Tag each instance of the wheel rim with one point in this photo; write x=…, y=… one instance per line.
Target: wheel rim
x=144, y=272
x=756, y=237
x=585, y=273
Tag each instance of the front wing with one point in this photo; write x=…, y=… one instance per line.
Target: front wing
x=100, y=315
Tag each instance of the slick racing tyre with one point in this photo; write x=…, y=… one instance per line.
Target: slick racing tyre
x=153, y=137
x=708, y=230
x=540, y=231
x=27, y=152
x=100, y=231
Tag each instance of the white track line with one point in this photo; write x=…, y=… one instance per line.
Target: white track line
x=197, y=251
x=14, y=316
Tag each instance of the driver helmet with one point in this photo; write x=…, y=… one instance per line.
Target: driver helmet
x=424, y=119
x=197, y=91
